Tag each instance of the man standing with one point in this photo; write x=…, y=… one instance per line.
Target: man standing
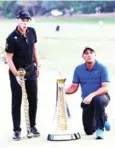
x=21, y=52
x=93, y=78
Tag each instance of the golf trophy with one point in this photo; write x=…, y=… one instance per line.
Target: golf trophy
x=21, y=73
x=60, y=131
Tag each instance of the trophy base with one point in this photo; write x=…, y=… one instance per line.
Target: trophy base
x=63, y=137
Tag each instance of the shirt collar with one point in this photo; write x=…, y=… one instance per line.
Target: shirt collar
x=94, y=67
x=19, y=33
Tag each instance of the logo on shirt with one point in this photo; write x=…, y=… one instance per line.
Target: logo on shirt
x=96, y=72
x=15, y=37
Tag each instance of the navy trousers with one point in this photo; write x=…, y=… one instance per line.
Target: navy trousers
x=31, y=89
x=93, y=115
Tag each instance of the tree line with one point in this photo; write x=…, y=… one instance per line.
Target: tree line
x=9, y=9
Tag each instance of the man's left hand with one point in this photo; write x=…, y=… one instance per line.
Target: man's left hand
x=88, y=99
x=37, y=72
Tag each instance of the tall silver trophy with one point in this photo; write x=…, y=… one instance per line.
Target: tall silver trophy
x=60, y=130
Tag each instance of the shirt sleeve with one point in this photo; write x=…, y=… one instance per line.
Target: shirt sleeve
x=104, y=75
x=10, y=45
x=35, y=35
x=75, y=76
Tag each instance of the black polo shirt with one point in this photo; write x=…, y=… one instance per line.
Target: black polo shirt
x=21, y=46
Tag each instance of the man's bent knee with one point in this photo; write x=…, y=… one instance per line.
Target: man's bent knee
x=89, y=132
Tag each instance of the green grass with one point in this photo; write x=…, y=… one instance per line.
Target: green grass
x=77, y=19
x=63, y=49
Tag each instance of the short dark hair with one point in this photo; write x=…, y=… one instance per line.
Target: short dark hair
x=88, y=48
x=23, y=15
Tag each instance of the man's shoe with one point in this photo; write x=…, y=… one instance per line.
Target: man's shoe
x=107, y=126
x=16, y=136
x=35, y=132
x=99, y=134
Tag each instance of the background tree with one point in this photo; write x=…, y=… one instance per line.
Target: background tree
x=10, y=8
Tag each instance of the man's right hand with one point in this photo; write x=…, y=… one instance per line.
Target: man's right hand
x=72, y=89
x=20, y=81
x=20, y=76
